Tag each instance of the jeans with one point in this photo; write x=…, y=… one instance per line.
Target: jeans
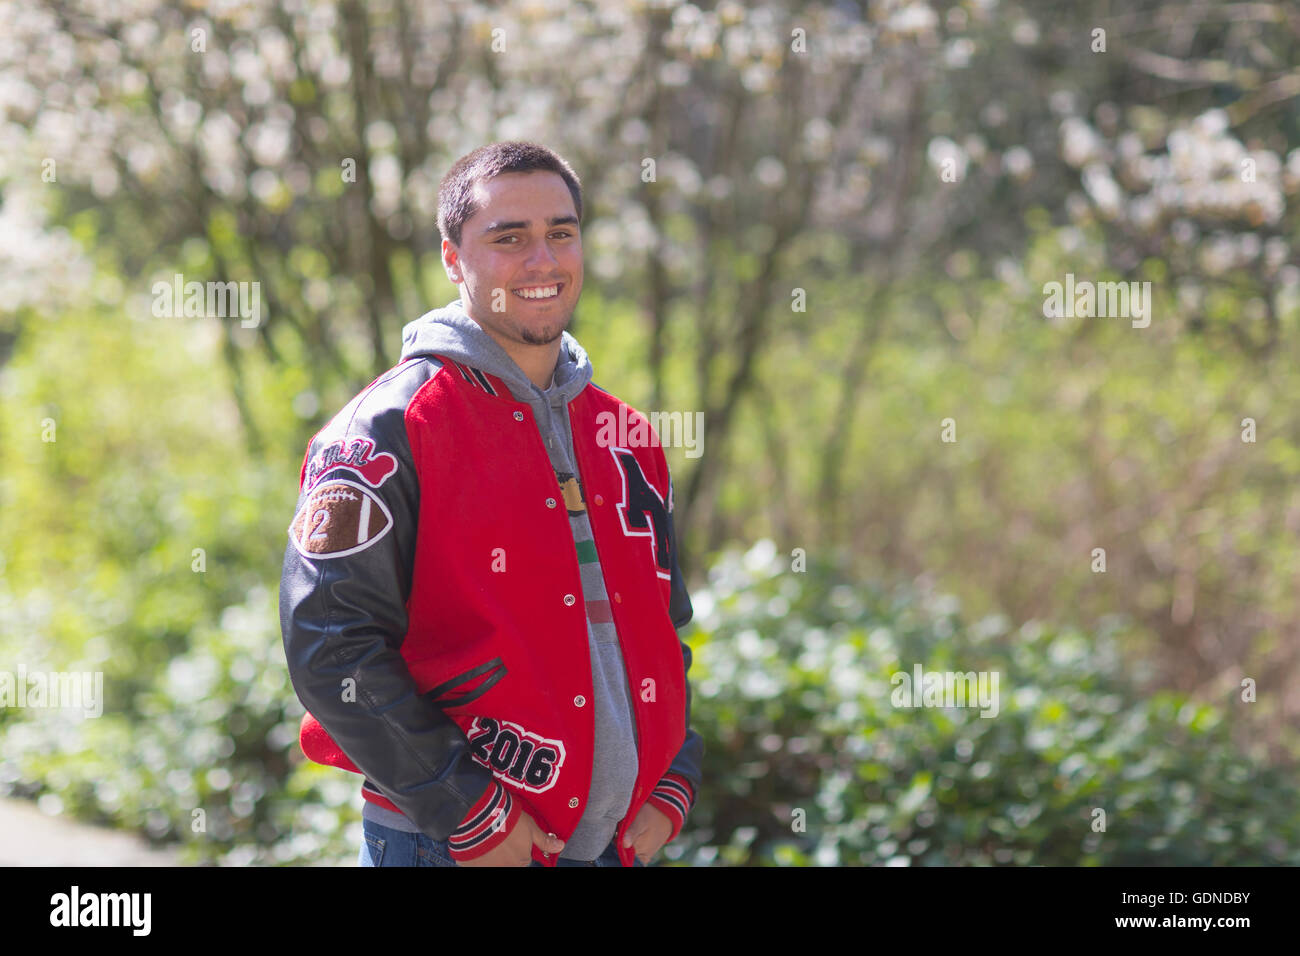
x=384, y=846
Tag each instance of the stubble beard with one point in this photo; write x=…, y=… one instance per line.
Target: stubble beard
x=533, y=336
x=518, y=329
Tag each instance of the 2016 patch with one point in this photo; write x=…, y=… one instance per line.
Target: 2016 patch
x=339, y=518
x=525, y=759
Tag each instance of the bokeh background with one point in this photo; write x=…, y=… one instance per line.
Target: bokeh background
x=825, y=226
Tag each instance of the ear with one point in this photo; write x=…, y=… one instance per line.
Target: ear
x=451, y=261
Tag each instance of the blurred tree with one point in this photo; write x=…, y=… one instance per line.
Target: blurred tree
x=909, y=173
x=731, y=154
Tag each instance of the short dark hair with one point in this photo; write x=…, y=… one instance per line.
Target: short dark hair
x=456, y=191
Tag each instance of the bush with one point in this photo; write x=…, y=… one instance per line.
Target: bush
x=792, y=693
x=792, y=670
x=792, y=681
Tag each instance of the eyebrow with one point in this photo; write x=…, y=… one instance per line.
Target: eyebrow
x=524, y=224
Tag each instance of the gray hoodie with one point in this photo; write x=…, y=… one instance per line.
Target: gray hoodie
x=450, y=332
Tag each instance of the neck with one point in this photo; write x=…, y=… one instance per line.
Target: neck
x=536, y=361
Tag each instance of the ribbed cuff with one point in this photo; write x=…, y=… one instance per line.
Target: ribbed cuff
x=486, y=825
x=673, y=796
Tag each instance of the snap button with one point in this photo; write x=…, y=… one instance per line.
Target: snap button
x=600, y=500
x=618, y=598
x=550, y=502
x=573, y=801
x=519, y=416
x=579, y=701
x=569, y=599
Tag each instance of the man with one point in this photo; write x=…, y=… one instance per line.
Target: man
x=481, y=588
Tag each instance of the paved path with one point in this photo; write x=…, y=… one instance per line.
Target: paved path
x=30, y=838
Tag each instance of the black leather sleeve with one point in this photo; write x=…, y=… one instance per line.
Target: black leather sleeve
x=690, y=758
x=343, y=610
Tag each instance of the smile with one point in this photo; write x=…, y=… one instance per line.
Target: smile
x=540, y=292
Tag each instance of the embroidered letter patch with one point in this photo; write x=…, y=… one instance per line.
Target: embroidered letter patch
x=357, y=455
x=642, y=510
x=524, y=759
x=339, y=518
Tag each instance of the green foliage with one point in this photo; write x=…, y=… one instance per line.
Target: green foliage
x=794, y=694
x=1071, y=435
x=100, y=529
x=792, y=670
x=923, y=303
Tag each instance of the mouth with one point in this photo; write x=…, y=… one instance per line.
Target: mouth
x=539, y=293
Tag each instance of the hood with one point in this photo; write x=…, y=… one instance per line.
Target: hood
x=451, y=332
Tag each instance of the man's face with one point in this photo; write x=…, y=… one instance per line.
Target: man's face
x=524, y=237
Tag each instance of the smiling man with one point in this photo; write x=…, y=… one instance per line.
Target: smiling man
x=536, y=259
x=480, y=596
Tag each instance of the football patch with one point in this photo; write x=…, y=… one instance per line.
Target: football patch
x=339, y=518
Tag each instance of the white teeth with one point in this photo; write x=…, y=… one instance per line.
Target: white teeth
x=546, y=292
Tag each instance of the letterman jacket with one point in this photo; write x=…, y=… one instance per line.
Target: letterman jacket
x=432, y=610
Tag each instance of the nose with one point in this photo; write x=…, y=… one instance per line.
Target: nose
x=541, y=256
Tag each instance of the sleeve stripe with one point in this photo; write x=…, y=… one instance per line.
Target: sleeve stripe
x=672, y=800
x=672, y=786
x=681, y=780
x=491, y=796
x=483, y=825
x=674, y=796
